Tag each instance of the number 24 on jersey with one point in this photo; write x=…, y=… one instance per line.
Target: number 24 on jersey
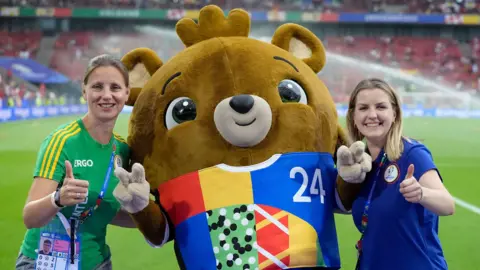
x=315, y=185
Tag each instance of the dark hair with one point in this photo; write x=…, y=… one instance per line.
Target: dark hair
x=47, y=241
x=106, y=60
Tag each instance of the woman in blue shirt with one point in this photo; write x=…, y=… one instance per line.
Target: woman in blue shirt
x=403, y=195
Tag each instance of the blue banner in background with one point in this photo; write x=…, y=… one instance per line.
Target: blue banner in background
x=259, y=16
x=390, y=18
x=32, y=71
x=351, y=17
x=432, y=18
x=28, y=113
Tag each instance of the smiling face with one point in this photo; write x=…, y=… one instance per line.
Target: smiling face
x=231, y=100
x=106, y=92
x=374, y=114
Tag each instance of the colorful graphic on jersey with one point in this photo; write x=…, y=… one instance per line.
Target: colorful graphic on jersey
x=232, y=234
x=274, y=215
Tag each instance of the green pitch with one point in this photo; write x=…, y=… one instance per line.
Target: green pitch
x=453, y=142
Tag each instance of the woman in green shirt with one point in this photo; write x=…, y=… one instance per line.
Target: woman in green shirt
x=74, y=179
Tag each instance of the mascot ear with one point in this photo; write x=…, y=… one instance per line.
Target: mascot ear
x=141, y=63
x=302, y=43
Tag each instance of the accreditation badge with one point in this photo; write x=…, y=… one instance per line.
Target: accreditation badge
x=118, y=163
x=55, y=249
x=391, y=173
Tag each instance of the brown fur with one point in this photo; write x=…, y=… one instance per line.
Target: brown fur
x=220, y=61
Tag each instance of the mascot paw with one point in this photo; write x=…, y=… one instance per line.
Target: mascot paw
x=133, y=190
x=353, y=163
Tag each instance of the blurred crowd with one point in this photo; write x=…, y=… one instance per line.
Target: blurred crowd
x=440, y=60
x=396, y=6
x=14, y=94
x=444, y=61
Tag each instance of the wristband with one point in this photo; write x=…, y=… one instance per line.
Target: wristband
x=54, y=203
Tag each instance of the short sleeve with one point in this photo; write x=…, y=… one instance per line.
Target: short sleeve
x=51, y=158
x=422, y=159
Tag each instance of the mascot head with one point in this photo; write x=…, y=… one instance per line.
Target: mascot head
x=227, y=98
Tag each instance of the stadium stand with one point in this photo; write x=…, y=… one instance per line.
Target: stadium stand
x=20, y=44
x=437, y=58
x=397, y=6
x=445, y=60
x=440, y=59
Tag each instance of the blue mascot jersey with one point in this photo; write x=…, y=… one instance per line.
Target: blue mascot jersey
x=273, y=215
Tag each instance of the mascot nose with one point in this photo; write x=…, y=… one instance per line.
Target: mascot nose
x=242, y=103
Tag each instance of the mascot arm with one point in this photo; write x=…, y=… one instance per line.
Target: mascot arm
x=345, y=194
x=133, y=194
x=352, y=165
x=153, y=224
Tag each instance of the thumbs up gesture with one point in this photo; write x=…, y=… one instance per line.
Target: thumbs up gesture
x=133, y=190
x=410, y=188
x=73, y=191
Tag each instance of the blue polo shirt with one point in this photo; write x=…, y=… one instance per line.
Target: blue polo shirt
x=400, y=235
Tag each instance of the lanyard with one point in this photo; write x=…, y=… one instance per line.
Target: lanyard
x=364, y=221
x=89, y=212
x=69, y=227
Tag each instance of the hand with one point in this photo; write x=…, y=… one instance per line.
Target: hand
x=353, y=163
x=410, y=188
x=73, y=191
x=133, y=190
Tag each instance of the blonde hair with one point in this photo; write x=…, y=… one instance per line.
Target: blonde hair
x=394, y=144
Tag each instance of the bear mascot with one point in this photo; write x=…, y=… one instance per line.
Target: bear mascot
x=234, y=148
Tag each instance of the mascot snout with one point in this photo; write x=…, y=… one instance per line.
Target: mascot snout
x=243, y=120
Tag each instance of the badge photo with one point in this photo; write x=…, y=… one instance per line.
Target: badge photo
x=391, y=173
x=118, y=161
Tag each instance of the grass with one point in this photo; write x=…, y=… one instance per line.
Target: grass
x=453, y=142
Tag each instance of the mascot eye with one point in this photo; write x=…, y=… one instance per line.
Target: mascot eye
x=180, y=110
x=290, y=91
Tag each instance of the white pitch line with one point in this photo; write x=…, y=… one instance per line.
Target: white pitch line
x=467, y=205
